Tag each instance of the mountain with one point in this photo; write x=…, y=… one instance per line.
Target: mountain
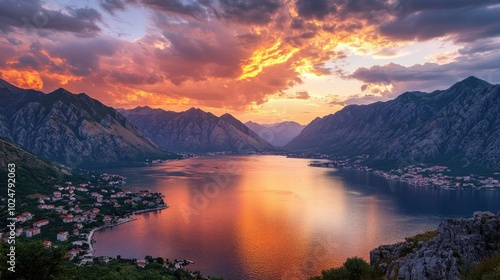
x=72, y=129
x=459, y=127
x=29, y=169
x=196, y=131
x=278, y=134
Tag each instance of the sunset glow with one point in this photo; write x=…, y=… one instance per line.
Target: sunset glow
x=249, y=58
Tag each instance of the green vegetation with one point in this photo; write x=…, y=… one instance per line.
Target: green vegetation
x=353, y=269
x=426, y=236
x=34, y=173
x=487, y=269
x=34, y=261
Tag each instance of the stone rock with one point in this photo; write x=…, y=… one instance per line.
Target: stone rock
x=458, y=243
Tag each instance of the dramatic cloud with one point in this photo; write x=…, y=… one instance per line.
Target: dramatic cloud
x=32, y=15
x=480, y=59
x=240, y=54
x=462, y=23
x=318, y=9
x=251, y=12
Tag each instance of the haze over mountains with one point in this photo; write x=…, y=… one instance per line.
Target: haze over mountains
x=72, y=129
x=459, y=127
x=278, y=134
x=196, y=131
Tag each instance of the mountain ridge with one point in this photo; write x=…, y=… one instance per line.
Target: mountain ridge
x=196, y=131
x=458, y=126
x=73, y=129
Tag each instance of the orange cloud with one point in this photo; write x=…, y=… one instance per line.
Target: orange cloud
x=223, y=62
x=23, y=79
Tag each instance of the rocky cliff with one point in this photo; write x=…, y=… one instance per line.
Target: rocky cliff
x=196, y=131
x=72, y=129
x=459, y=126
x=278, y=134
x=457, y=245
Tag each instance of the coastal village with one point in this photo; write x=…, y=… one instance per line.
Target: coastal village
x=420, y=175
x=74, y=211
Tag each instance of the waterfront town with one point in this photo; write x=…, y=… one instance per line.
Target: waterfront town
x=418, y=174
x=69, y=214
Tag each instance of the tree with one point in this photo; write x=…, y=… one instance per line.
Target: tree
x=34, y=261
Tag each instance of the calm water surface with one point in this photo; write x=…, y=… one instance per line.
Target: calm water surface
x=271, y=217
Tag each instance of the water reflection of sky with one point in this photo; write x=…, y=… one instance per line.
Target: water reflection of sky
x=268, y=217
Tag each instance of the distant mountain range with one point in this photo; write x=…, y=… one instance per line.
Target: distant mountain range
x=72, y=129
x=459, y=127
x=196, y=131
x=278, y=134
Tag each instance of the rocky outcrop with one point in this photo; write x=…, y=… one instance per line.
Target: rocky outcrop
x=72, y=129
x=278, y=134
x=456, y=245
x=196, y=131
x=458, y=127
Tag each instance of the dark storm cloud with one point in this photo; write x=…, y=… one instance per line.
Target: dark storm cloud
x=250, y=11
x=464, y=24
x=315, y=9
x=411, y=6
x=32, y=15
x=344, y=9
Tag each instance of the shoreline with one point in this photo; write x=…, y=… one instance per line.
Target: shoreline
x=150, y=210
x=91, y=250
x=384, y=175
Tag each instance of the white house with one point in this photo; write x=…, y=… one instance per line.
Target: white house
x=32, y=232
x=62, y=236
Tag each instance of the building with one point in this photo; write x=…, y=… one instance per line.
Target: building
x=141, y=263
x=78, y=225
x=107, y=218
x=41, y=223
x=32, y=232
x=27, y=216
x=62, y=236
x=68, y=219
x=20, y=219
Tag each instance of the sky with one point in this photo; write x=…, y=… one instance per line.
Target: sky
x=263, y=60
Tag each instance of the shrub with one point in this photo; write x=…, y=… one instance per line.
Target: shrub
x=487, y=269
x=352, y=269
